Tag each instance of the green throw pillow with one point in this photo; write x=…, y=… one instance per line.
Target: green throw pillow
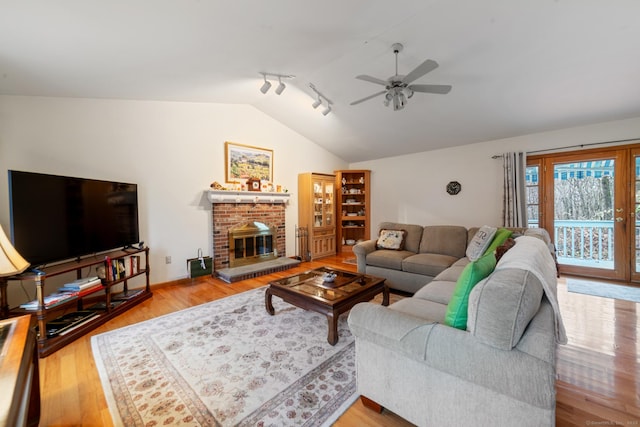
x=500, y=237
x=472, y=273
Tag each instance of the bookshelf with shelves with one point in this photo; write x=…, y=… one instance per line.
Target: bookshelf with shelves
x=89, y=307
x=353, y=206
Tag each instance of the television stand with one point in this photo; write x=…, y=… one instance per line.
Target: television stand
x=102, y=300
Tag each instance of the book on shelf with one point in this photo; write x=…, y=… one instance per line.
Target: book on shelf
x=81, y=284
x=125, y=296
x=122, y=267
x=50, y=301
x=68, y=322
x=84, y=291
x=102, y=306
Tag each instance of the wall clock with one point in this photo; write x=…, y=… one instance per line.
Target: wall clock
x=454, y=188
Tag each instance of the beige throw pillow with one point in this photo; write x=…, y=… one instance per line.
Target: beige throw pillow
x=391, y=239
x=480, y=242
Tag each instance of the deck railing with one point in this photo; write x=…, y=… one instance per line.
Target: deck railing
x=583, y=242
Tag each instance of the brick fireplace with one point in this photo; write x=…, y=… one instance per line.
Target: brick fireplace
x=231, y=210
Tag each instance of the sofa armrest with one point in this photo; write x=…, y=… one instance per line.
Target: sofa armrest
x=455, y=352
x=361, y=250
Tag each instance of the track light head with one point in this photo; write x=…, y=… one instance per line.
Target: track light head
x=316, y=103
x=266, y=86
x=280, y=87
x=327, y=110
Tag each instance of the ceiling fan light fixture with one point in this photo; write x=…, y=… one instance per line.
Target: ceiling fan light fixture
x=399, y=88
x=408, y=92
x=399, y=100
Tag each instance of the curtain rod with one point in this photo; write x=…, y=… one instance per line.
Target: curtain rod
x=550, y=150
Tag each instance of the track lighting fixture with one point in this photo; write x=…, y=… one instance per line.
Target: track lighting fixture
x=319, y=98
x=267, y=84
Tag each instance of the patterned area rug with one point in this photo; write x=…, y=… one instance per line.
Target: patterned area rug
x=602, y=289
x=228, y=363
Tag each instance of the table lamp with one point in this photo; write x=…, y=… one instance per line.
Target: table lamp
x=11, y=263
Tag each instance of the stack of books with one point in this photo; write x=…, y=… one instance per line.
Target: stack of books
x=70, y=291
x=50, y=301
x=120, y=268
x=82, y=287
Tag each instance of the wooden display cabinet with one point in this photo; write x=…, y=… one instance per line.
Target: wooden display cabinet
x=102, y=301
x=316, y=212
x=354, y=208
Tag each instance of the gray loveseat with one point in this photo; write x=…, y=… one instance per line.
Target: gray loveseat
x=427, y=251
x=499, y=371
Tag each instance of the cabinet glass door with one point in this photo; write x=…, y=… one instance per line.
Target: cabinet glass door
x=328, y=203
x=318, y=203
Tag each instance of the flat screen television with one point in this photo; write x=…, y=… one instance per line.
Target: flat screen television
x=56, y=218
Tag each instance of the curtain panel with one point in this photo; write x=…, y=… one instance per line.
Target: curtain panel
x=514, y=211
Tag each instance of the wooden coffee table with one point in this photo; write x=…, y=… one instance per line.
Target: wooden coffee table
x=309, y=291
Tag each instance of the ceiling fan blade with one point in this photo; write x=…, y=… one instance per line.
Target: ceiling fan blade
x=420, y=70
x=372, y=80
x=368, y=97
x=441, y=89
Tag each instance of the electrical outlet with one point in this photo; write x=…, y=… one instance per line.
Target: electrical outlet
x=167, y=260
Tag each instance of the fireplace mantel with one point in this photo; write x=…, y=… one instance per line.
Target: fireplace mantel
x=224, y=196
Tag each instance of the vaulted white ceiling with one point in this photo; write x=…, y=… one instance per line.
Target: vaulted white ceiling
x=516, y=67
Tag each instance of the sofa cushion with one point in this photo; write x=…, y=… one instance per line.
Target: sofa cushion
x=413, y=236
x=444, y=240
x=387, y=258
x=421, y=308
x=391, y=239
x=480, y=242
x=452, y=273
x=427, y=264
x=501, y=307
x=439, y=291
x=473, y=273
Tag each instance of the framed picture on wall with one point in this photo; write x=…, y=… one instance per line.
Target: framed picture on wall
x=245, y=161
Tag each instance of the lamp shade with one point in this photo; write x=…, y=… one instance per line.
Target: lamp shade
x=10, y=260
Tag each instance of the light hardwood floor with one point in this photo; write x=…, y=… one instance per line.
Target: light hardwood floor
x=598, y=381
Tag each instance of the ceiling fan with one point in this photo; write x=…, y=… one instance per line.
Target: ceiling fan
x=399, y=88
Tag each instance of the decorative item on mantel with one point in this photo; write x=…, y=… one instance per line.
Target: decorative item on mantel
x=253, y=184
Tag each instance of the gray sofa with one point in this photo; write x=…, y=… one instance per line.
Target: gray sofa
x=500, y=371
x=428, y=250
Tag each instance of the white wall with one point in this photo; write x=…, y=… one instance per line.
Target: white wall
x=411, y=188
x=173, y=151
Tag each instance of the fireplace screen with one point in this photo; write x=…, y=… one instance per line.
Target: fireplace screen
x=250, y=243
